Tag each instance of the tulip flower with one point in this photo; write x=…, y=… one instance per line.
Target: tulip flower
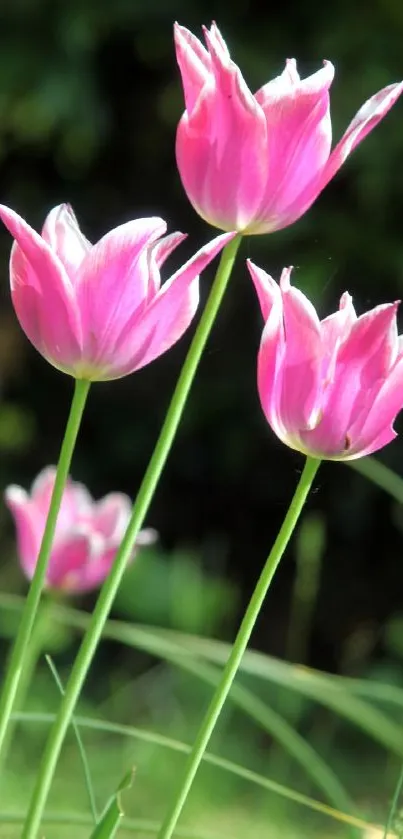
x=332, y=388
x=88, y=532
x=98, y=311
x=256, y=162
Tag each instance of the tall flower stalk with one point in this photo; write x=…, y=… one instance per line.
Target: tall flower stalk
x=143, y=500
x=223, y=688
x=19, y=652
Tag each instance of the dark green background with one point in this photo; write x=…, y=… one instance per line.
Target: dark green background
x=90, y=96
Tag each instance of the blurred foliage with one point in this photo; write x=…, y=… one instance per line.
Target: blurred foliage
x=89, y=100
x=142, y=717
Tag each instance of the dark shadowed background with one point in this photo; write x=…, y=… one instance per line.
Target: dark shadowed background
x=90, y=96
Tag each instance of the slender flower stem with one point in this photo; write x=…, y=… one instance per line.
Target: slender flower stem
x=17, y=659
x=33, y=652
x=207, y=727
x=141, y=505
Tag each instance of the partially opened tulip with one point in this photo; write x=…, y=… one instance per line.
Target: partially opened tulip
x=256, y=162
x=88, y=532
x=332, y=388
x=98, y=311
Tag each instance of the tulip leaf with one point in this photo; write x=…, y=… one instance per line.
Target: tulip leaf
x=113, y=813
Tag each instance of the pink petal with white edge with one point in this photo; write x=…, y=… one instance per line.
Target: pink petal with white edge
x=76, y=501
x=162, y=324
x=337, y=326
x=194, y=64
x=299, y=135
x=42, y=488
x=361, y=368
x=63, y=235
x=28, y=526
x=270, y=359
x=113, y=285
x=94, y=573
x=364, y=121
x=157, y=254
x=267, y=289
x=147, y=536
x=42, y=294
x=382, y=412
x=70, y=556
x=221, y=146
x=334, y=331
x=301, y=369
x=111, y=516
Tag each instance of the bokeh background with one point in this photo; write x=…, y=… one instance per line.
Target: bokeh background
x=90, y=96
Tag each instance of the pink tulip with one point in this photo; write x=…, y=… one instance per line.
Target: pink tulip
x=88, y=532
x=256, y=163
x=332, y=388
x=98, y=311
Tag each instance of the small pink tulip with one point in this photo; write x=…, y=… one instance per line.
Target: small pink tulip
x=88, y=532
x=98, y=311
x=332, y=388
x=256, y=163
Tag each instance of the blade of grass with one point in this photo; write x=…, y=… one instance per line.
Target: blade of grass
x=394, y=805
x=128, y=825
x=317, y=770
x=113, y=813
x=304, y=679
x=334, y=692
x=43, y=718
x=361, y=714
x=80, y=744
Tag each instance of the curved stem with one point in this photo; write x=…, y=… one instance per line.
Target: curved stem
x=17, y=659
x=240, y=644
x=143, y=500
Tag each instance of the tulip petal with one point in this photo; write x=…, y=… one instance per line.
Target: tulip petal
x=299, y=136
x=364, y=121
x=300, y=396
x=42, y=294
x=169, y=314
x=194, y=64
x=113, y=286
x=269, y=367
x=70, y=557
x=334, y=331
x=383, y=409
x=42, y=488
x=362, y=365
x=157, y=255
x=111, y=516
x=267, y=289
x=221, y=145
x=29, y=527
x=64, y=237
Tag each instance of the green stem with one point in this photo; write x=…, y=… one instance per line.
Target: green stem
x=111, y=585
x=207, y=727
x=19, y=652
x=33, y=653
